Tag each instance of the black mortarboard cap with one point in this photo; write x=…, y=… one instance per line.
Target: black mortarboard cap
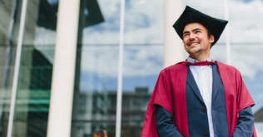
x=215, y=26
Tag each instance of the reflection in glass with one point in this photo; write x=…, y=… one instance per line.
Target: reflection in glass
x=8, y=39
x=32, y=100
x=141, y=68
x=246, y=58
x=94, y=104
x=92, y=107
x=95, y=94
x=143, y=60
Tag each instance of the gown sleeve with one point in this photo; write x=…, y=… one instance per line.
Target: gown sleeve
x=245, y=125
x=164, y=123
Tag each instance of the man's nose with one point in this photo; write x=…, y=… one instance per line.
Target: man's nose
x=191, y=36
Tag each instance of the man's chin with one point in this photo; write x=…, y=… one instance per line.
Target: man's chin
x=193, y=51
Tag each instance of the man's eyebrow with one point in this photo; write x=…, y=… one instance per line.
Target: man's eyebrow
x=196, y=29
x=187, y=31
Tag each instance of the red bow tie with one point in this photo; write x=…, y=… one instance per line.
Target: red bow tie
x=201, y=63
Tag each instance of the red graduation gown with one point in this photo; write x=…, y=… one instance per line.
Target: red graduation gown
x=170, y=93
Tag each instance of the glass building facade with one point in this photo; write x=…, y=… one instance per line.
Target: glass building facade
x=96, y=70
x=33, y=88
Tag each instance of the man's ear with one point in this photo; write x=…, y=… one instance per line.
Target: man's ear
x=211, y=38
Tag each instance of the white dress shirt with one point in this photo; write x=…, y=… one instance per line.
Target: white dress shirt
x=204, y=79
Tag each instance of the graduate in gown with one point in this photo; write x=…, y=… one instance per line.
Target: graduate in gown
x=200, y=96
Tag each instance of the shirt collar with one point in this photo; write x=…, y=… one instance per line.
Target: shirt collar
x=192, y=60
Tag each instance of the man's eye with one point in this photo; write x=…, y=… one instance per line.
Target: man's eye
x=198, y=31
x=186, y=34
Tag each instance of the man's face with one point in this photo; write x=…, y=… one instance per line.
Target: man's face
x=196, y=40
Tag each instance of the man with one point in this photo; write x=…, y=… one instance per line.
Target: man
x=199, y=96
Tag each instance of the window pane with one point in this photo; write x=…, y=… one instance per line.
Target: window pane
x=94, y=106
x=7, y=51
x=247, y=45
x=143, y=60
x=34, y=83
x=141, y=68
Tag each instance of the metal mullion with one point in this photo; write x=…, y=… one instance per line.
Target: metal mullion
x=120, y=71
x=16, y=68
